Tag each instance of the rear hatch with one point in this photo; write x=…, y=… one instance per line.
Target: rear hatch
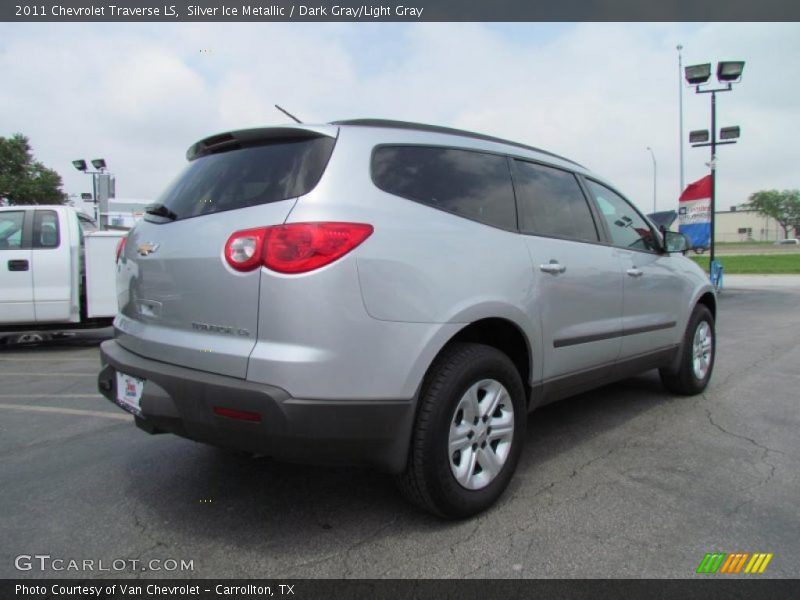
x=180, y=302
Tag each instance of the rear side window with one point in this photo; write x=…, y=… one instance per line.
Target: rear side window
x=469, y=184
x=278, y=170
x=551, y=203
x=11, y=229
x=45, y=229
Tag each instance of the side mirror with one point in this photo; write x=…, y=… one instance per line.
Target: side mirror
x=675, y=242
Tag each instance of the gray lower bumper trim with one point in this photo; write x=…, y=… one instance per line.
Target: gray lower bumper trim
x=181, y=401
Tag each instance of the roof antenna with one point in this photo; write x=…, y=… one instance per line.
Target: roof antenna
x=288, y=114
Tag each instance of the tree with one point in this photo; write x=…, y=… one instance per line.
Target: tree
x=783, y=206
x=23, y=179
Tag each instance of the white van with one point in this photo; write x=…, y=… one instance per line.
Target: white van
x=53, y=275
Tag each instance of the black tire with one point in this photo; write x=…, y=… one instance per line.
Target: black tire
x=428, y=480
x=684, y=380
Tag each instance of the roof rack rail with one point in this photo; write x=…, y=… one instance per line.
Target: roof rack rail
x=390, y=124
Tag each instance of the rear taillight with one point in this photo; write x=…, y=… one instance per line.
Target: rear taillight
x=294, y=248
x=244, y=248
x=121, y=246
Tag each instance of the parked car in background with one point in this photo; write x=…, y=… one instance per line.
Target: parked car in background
x=788, y=242
x=393, y=294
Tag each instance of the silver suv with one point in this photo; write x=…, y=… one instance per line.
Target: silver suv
x=394, y=294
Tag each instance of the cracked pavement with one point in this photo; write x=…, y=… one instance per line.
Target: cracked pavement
x=625, y=481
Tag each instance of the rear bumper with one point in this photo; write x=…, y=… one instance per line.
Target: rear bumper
x=181, y=401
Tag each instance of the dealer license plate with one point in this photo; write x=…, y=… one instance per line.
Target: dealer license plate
x=129, y=392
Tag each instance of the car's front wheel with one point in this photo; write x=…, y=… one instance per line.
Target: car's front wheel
x=696, y=362
x=468, y=433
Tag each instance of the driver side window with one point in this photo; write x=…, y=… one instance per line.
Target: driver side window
x=628, y=228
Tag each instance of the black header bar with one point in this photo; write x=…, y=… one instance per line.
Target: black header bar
x=398, y=10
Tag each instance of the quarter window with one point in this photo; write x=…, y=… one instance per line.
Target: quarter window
x=551, y=203
x=470, y=184
x=628, y=228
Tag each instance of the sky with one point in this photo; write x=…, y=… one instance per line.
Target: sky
x=139, y=94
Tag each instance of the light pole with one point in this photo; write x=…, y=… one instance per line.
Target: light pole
x=653, y=156
x=679, y=47
x=100, y=165
x=728, y=73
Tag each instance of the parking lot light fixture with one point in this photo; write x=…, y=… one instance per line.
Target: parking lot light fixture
x=697, y=74
x=698, y=136
x=729, y=133
x=729, y=71
x=100, y=166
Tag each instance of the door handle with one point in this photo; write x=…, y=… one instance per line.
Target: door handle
x=634, y=272
x=553, y=267
x=18, y=265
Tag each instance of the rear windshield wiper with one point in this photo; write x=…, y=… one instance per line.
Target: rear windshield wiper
x=160, y=210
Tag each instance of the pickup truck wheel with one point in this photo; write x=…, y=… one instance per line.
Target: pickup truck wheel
x=697, y=356
x=468, y=434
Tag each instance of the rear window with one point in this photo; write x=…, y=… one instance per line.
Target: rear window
x=45, y=229
x=470, y=184
x=249, y=176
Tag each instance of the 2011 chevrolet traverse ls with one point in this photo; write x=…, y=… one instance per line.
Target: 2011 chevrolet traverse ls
x=396, y=294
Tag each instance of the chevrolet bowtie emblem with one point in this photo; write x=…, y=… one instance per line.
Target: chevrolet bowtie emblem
x=147, y=248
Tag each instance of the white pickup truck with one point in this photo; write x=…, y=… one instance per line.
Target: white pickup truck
x=53, y=275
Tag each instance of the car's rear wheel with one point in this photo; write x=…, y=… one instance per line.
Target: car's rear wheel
x=468, y=433
x=696, y=362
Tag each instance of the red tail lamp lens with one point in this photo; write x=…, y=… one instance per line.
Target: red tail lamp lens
x=294, y=248
x=303, y=247
x=121, y=246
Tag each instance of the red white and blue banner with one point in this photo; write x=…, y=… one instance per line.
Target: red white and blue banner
x=694, y=212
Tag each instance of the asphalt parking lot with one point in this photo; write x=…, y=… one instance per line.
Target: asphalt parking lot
x=626, y=481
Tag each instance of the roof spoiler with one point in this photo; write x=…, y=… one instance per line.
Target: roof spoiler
x=242, y=138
